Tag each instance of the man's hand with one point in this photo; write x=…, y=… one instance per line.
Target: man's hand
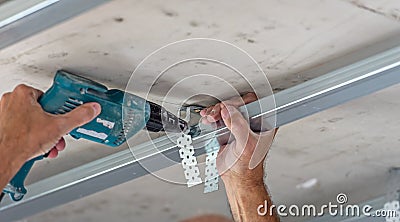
x=27, y=131
x=240, y=162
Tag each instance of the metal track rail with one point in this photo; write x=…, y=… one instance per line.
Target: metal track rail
x=329, y=90
x=20, y=19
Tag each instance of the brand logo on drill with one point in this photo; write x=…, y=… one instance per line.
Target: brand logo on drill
x=106, y=123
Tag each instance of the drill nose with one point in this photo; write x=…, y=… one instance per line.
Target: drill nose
x=163, y=120
x=183, y=125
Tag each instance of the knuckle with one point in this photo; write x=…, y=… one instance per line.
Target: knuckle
x=5, y=96
x=58, y=126
x=21, y=88
x=31, y=94
x=5, y=99
x=25, y=91
x=79, y=116
x=250, y=97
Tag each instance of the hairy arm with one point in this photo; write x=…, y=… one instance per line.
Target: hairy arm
x=245, y=202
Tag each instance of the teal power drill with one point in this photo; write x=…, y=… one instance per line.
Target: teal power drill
x=122, y=116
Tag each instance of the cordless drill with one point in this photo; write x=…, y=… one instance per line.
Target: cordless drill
x=122, y=116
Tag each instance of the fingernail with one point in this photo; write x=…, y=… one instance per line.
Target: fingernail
x=97, y=108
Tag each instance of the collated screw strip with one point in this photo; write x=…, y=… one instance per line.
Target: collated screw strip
x=211, y=174
x=189, y=161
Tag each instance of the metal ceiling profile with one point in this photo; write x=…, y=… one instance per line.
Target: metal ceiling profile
x=20, y=19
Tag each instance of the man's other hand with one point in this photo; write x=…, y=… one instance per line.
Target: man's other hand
x=240, y=162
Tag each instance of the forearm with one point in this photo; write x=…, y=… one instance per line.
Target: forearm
x=245, y=202
x=9, y=165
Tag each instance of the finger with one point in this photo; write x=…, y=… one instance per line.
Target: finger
x=53, y=153
x=36, y=94
x=215, y=113
x=29, y=92
x=209, y=110
x=5, y=96
x=205, y=121
x=250, y=97
x=78, y=117
x=236, y=123
x=240, y=101
x=60, y=146
x=4, y=100
x=203, y=112
x=225, y=138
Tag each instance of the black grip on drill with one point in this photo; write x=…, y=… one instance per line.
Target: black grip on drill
x=162, y=120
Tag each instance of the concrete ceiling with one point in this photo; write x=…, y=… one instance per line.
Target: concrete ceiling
x=292, y=41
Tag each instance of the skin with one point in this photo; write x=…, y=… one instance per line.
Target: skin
x=27, y=131
x=240, y=162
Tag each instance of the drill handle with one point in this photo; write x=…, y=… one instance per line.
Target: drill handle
x=16, y=188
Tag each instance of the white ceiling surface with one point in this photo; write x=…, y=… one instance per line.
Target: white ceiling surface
x=346, y=148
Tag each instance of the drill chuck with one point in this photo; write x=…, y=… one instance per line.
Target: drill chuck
x=163, y=120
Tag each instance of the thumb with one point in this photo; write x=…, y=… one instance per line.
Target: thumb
x=237, y=124
x=79, y=116
x=263, y=145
